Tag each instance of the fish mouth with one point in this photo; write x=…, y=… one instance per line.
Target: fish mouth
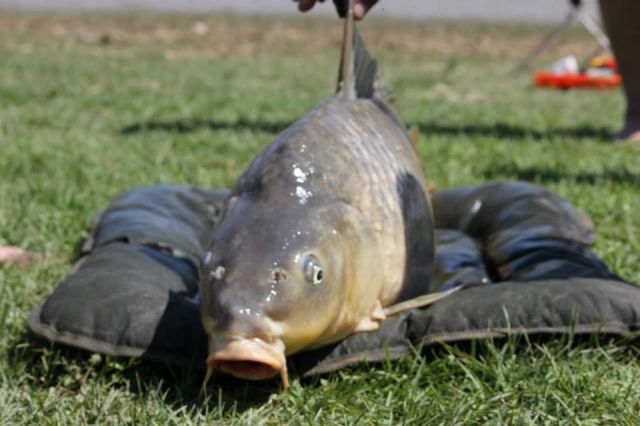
x=250, y=370
x=249, y=359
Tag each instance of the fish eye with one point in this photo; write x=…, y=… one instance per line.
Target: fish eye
x=313, y=271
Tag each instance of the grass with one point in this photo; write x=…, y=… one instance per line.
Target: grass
x=92, y=105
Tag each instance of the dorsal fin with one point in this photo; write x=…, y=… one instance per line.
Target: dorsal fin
x=357, y=74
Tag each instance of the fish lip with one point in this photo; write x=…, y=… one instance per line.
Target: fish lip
x=247, y=358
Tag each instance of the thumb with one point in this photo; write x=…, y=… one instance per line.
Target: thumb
x=361, y=7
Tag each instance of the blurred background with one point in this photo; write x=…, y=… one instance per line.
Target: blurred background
x=542, y=11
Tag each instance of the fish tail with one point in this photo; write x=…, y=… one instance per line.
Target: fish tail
x=358, y=76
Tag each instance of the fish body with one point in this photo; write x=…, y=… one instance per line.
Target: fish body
x=330, y=223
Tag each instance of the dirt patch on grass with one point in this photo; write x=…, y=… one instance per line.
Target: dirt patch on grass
x=212, y=36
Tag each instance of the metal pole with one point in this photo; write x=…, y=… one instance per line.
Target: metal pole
x=545, y=42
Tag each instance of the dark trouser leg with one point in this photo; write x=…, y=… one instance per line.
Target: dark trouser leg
x=622, y=22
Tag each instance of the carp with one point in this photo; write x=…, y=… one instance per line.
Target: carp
x=327, y=232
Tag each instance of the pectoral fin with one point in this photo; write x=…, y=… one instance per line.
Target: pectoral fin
x=371, y=322
x=378, y=313
x=366, y=324
x=418, y=302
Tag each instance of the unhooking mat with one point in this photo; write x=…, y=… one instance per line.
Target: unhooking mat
x=521, y=253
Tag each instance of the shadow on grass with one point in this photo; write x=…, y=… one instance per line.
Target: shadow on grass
x=511, y=132
x=496, y=130
x=543, y=175
x=54, y=366
x=186, y=126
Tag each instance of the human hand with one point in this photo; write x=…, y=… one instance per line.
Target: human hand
x=360, y=7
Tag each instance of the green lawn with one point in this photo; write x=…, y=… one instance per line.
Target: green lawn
x=94, y=105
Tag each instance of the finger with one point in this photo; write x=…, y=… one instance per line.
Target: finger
x=304, y=5
x=17, y=255
x=361, y=8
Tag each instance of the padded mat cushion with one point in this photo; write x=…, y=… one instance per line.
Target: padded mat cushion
x=521, y=252
x=178, y=218
x=145, y=307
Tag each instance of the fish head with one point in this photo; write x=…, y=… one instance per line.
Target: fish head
x=276, y=281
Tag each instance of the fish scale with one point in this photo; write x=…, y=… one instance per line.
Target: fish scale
x=376, y=167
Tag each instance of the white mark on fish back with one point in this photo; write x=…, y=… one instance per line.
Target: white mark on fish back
x=301, y=177
x=207, y=258
x=248, y=312
x=272, y=291
x=475, y=208
x=302, y=194
x=218, y=273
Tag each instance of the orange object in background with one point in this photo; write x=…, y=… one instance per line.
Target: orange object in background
x=608, y=62
x=601, y=74
x=570, y=81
